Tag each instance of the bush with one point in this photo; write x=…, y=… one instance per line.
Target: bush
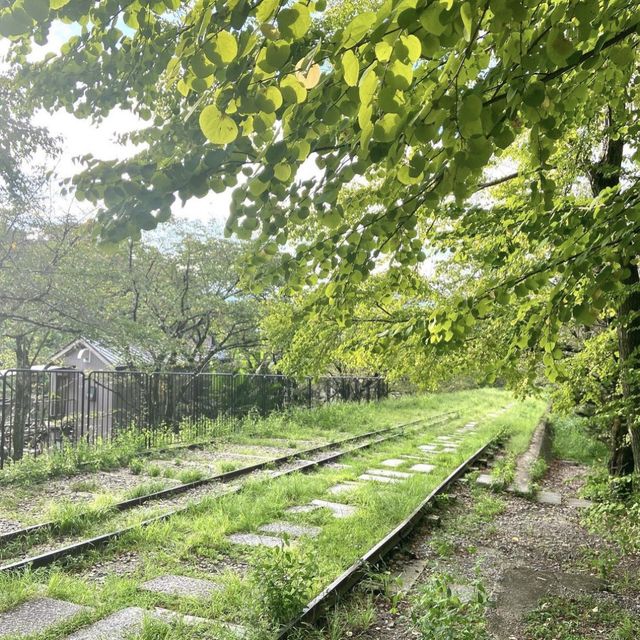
x=284, y=579
x=440, y=614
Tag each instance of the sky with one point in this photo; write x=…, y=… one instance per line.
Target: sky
x=81, y=137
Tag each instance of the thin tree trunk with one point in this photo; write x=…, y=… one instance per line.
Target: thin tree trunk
x=605, y=175
x=629, y=349
x=21, y=399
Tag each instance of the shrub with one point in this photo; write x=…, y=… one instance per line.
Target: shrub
x=284, y=579
x=440, y=614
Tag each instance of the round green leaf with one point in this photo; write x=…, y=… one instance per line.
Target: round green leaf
x=294, y=22
x=351, y=68
x=226, y=46
x=292, y=90
x=278, y=53
x=282, y=171
x=37, y=9
x=217, y=127
x=534, y=94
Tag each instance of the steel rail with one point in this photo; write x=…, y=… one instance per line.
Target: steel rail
x=80, y=547
x=361, y=567
x=222, y=478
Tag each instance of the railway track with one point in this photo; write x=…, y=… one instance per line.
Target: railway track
x=417, y=460
x=363, y=566
x=75, y=548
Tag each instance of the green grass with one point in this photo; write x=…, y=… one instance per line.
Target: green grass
x=74, y=517
x=182, y=543
x=439, y=614
x=144, y=489
x=583, y=618
x=574, y=441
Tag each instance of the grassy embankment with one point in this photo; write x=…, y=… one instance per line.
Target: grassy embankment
x=252, y=580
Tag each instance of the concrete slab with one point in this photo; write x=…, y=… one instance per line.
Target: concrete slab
x=338, y=510
x=428, y=447
x=183, y=586
x=37, y=616
x=403, y=475
x=393, y=462
x=371, y=478
x=520, y=590
x=485, y=480
x=303, y=508
x=293, y=530
x=548, y=497
x=128, y=622
x=118, y=626
x=423, y=468
x=578, y=503
x=255, y=540
x=449, y=450
x=343, y=487
x=422, y=457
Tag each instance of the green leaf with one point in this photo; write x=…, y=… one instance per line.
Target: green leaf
x=466, y=13
x=37, y=9
x=269, y=100
x=387, y=128
x=368, y=86
x=278, y=53
x=622, y=56
x=470, y=108
x=534, y=94
x=409, y=48
x=400, y=75
x=282, y=171
x=430, y=19
x=357, y=29
x=226, y=46
x=266, y=9
x=558, y=48
x=292, y=90
x=222, y=48
x=58, y=4
x=351, y=68
x=383, y=51
x=217, y=127
x=294, y=22
x=9, y=26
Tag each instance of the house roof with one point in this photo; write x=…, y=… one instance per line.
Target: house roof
x=109, y=355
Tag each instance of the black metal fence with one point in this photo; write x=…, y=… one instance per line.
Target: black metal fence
x=41, y=410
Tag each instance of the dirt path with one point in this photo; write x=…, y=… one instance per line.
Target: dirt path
x=522, y=552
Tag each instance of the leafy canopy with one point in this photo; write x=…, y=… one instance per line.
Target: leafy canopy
x=424, y=95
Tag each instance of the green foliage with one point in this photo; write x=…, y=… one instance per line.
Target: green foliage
x=579, y=439
x=583, y=617
x=440, y=614
x=617, y=521
x=285, y=578
x=136, y=466
x=504, y=471
x=69, y=460
x=415, y=105
x=191, y=475
x=144, y=489
x=538, y=469
x=73, y=517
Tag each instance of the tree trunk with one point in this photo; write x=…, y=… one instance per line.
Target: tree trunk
x=604, y=175
x=21, y=398
x=621, y=461
x=629, y=349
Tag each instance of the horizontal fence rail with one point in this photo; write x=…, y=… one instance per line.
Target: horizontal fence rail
x=43, y=410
